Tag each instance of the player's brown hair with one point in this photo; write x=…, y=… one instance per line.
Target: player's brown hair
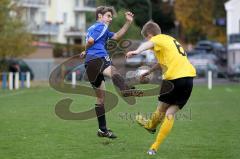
x=104, y=9
x=150, y=28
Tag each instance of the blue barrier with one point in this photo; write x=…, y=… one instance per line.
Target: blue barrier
x=4, y=80
x=22, y=79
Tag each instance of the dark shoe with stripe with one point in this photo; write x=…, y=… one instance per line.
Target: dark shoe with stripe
x=108, y=134
x=132, y=92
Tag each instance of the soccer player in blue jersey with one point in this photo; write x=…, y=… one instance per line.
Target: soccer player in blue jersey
x=98, y=64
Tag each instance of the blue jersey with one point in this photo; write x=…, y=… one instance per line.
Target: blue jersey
x=100, y=33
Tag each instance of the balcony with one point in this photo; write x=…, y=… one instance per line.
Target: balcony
x=31, y=3
x=234, y=42
x=46, y=29
x=74, y=32
x=88, y=6
x=234, y=38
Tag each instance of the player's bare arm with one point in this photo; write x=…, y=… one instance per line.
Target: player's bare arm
x=83, y=54
x=153, y=69
x=145, y=46
x=89, y=43
x=129, y=18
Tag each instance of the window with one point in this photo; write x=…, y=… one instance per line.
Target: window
x=77, y=3
x=43, y=17
x=239, y=25
x=65, y=18
x=77, y=21
x=234, y=57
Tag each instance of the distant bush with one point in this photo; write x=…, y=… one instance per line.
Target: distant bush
x=77, y=49
x=58, y=50
x=64, y=50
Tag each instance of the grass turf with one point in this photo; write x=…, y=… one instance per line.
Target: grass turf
x=207, y=127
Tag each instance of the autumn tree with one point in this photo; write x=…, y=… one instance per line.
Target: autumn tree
x=197, y=19
x=15, y=41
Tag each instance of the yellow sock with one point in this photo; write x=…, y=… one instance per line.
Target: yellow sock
x=155, y=119
x=163, y=132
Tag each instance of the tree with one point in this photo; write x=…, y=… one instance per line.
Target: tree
x=163, y=14
x=196, y=18
x=219, y=12
x=14, y=39
x=145, y=10
x=118, y=22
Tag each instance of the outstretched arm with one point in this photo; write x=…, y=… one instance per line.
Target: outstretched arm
x=154, y=68
x=123, y=30
x=142, y=47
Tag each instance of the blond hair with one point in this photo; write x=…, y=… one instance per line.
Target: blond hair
x=150, y=28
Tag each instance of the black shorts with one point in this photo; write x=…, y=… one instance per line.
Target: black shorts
x=179, y=93
x=95, y=68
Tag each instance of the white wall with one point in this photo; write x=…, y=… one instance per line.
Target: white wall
x=233, y=27
x=67, y=9
x=233, y=16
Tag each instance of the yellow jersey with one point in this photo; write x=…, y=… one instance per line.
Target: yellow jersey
x=172, y=58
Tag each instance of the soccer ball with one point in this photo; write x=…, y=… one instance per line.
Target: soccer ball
x=133, y=77
x=141, y=70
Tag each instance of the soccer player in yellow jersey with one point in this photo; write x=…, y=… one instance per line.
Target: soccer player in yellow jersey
x=177, y=70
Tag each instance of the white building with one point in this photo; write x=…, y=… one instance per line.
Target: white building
x=61, y=21
x=233, y=32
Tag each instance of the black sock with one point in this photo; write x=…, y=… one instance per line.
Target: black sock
x=119, y=81
x=100, y=112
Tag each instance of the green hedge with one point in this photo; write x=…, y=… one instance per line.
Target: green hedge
x=64, y=50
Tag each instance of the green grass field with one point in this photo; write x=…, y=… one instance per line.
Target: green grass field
x=207, y=128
